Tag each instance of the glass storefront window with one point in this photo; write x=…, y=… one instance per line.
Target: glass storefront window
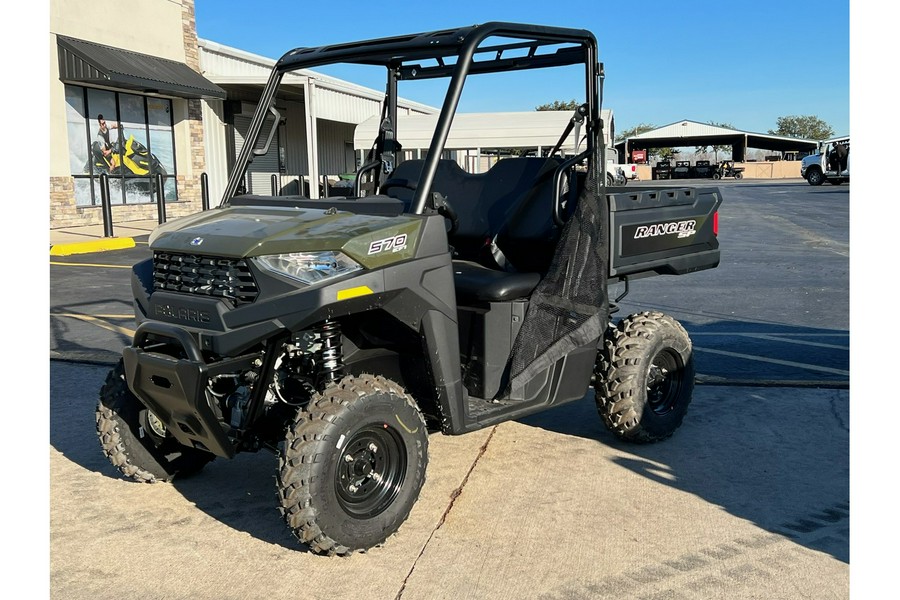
x=137, y=144
x=159, y=124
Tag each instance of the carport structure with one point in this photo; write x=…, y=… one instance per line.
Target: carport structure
x=691, y=133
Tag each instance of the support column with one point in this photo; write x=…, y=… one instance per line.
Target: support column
x=312, y=136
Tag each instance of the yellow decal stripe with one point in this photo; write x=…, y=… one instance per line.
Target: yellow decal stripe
x=354, y=292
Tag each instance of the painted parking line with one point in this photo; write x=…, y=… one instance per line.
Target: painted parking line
x=787, y=338
x=775, y=361
x=779, y=334
x=100, y=322
x=96, y=265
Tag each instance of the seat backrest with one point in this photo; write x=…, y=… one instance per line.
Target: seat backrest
x=462, y=190
x=525, y=232
x=512, y=201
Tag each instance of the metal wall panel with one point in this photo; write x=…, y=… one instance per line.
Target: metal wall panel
x=216, y=144
x=335, y=148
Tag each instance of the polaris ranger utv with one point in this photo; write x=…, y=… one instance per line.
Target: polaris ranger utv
x=339, y=332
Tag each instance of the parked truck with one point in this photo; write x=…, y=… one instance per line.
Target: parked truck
x=618, y=173
x=340, y=333
x=831, y=163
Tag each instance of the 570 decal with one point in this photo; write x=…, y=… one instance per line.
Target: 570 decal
x=394, y=243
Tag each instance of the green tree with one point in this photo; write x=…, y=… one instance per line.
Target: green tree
x=715, y=148
x=559, y=105
x=661, y=153
x=666, y=153
x=809, y=127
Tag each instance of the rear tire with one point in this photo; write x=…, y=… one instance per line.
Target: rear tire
x=134, y=450
x=738, y=175
x=644, y=377
x=352, y=465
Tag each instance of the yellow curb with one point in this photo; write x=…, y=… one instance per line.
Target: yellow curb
x=92, y=246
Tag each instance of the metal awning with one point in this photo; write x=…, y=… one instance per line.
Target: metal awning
x=688, y=133
x=83, y=62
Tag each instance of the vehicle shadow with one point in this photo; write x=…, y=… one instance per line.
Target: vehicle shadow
x=240, y=492
x=774, y=456
x=78, y=333
x=65, y=329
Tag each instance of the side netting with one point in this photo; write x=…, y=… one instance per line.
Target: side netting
x=570, y=307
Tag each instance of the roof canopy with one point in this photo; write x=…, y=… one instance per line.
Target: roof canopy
x=691, y=133
x=85, y=62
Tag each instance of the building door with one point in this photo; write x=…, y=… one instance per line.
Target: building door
x=263, y=167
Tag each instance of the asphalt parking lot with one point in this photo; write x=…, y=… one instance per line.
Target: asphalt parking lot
x=750, y=498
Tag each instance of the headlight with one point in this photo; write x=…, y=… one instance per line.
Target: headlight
x=309, y=267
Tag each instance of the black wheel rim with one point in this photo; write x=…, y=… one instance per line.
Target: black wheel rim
x=370, y=471
x=664, y=382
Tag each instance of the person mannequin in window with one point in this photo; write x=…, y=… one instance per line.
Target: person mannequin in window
x=106, y=146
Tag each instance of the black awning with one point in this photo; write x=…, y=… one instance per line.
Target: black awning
x=91, y=63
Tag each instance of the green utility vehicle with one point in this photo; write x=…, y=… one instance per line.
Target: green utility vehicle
x=339, y=332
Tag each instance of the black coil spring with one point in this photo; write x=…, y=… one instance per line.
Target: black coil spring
x=330, y=357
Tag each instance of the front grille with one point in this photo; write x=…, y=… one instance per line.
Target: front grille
x=218, y=277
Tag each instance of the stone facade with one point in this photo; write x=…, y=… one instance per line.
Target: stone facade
x=64, y=214
x=189, y=187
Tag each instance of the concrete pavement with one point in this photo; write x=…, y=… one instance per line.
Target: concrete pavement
x=749, y=499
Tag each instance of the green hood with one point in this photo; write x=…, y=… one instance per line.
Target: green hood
x=242, y=232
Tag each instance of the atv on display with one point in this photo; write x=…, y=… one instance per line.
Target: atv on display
x=339, y=332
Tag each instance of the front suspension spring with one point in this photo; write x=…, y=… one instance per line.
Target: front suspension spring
x=330, y=357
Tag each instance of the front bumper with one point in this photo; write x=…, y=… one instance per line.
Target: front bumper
x=174, y=389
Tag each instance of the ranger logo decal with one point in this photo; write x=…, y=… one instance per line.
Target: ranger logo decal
x=684, y=229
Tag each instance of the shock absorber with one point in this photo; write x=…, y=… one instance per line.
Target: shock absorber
x=329, y=356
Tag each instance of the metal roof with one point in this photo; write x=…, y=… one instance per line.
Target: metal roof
x=530, y=129
x=691, y=133
x=231, y=67
x=86, y=62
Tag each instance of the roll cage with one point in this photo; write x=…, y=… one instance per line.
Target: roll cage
x=449, y=53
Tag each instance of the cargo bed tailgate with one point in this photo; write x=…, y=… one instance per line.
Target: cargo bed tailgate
x=663, y=231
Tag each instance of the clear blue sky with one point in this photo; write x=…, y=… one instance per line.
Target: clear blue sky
x=740, y=63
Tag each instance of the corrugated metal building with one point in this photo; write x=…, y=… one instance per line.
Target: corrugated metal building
x=477, y=140
x=315, y=138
